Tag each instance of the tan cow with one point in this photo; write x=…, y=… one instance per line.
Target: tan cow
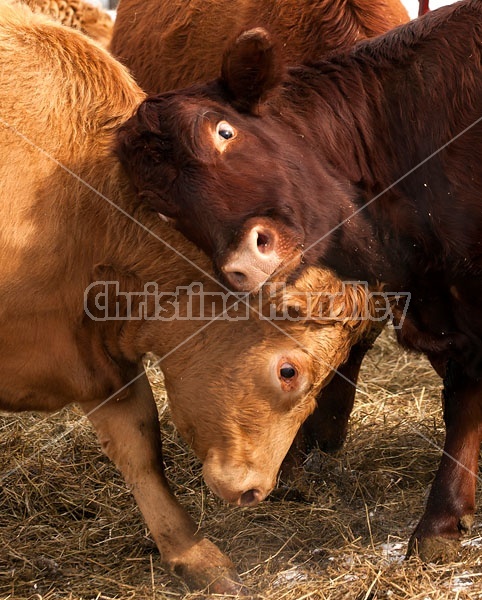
x=169, y=45
x=238, y=389
x=78, y=14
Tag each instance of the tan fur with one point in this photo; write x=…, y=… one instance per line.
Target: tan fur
x=321, y=297
x=84, y=16
x=61, y=189
x=170, y=44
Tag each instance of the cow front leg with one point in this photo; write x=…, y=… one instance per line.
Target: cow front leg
x=451, y=503
x=423, y=7
x=327, y=427
x=128, y=431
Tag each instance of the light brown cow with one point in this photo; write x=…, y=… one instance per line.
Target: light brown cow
x=168, y=44
x=78, y=14
x=238, y=389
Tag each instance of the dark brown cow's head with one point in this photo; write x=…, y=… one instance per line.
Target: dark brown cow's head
x=225, y=173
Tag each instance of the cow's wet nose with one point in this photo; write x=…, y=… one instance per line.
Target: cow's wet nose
x=241, y=483
x=255, y=259
x=251, y=497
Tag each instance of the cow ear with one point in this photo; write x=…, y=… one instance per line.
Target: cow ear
x=146, y=155
x=251, y=68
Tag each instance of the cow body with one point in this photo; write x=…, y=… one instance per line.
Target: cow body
x=168, y=45
x=72, y=224
x=338, y=158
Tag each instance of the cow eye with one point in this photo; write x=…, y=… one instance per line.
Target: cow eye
x=287, y=371
x=225, y=130
x=291, y=378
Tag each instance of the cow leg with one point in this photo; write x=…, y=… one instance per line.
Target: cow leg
x=423, y=7
x=128, y=431
x=451, y=503
x=327, y=426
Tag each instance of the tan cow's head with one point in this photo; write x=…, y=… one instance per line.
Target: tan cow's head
x=240, y=389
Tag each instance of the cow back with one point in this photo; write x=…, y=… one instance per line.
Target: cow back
x=168, y=45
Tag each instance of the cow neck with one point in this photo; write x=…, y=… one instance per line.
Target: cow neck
x=158, y=265
x=385, y=107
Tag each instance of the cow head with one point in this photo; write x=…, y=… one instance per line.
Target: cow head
x=240, y=390
x=225, y=171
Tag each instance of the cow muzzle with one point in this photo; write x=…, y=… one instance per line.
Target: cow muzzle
x=236, y=484
x=255, y=259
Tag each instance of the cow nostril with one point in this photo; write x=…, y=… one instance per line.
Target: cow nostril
x=250, y=498
x=236, y=278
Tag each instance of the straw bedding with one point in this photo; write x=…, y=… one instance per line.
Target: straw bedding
x=338, y=530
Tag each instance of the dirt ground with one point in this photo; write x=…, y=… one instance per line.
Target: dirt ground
x=69, y=528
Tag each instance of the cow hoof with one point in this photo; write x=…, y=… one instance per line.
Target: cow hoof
x=434, y=549
x=217, y=582
x=439, y=548
x=219, y=579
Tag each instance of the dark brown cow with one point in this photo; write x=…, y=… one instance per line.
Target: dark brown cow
x=171, y=44
x=238, y=389
x=168, y=45
x=369, y=163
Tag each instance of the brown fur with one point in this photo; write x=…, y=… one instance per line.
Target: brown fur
x=345, y=160
x=172, y=44
x=70, y=217
x=169, y=44
x=78, y=14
